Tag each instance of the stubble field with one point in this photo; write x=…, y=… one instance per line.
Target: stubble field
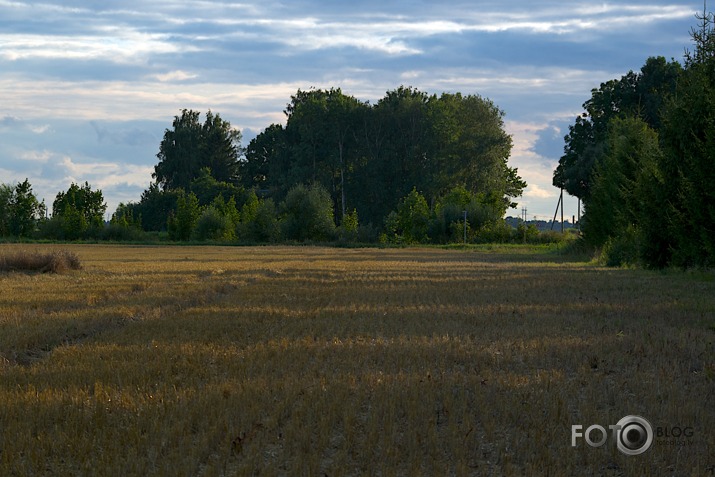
x=210, y=361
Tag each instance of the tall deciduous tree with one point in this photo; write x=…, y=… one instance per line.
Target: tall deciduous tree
x=23, y=209
x=6, y=192
x=649, y=195
x=634, y=94
x=370, y=156
x=190, y=146
x=267, y=161
x=82, y=200
x=154, y=207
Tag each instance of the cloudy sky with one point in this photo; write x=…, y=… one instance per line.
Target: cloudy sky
x=87, y=88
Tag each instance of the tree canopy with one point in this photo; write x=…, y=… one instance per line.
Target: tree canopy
x=642, y=158
x=639, y=94
x=20, y=211
x=368, y=157
x=340, y=169
x=191, y=146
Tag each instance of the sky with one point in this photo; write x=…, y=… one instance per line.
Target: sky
x=87, y=88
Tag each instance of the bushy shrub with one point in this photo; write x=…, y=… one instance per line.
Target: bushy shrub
x=525, y=233
x=496, y=232
x=259, y=221
x=308, y=214
x=368, y=233
x=213, y=225
x=70, y=225
x=181, y=223
x=410, y=222
x=50, y=229
x=266, y=227
x=622, y=250
x=348, y=230
x=553, y=236
x=73, y=224
x=120, y=233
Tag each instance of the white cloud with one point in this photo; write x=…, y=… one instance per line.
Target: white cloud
x=104, y=174
x=177, y=75
x=536, y=191
x=41, y=157
x=114, y=44
x=382, y=43
x=143, y=62
x=577, y=17
x=41, y=129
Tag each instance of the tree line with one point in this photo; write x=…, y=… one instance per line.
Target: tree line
x=642, y=159
x=402, y=170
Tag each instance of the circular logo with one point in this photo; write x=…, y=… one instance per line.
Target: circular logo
x=634, y=435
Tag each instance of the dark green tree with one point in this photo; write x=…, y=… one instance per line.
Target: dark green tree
x=447, y=222
x=83, y=200
x=124, y=225
x=404, y=114
x=207, y=188
x=6, y=193
x=633, y=95
x=410, y=222
x=218, y=220
x=190, y=146
x=308, y=214
x=267, y=162
x=370, y=156
x=221, y=148
x=322, y=129
x=124, y=217
x=24, y=210
x=688, y=164
x=154, y=207
x=182, y=222
x=615, y=210
x=265, y=226
x=212, y=224
x=343, y=121
x=72, y=223
x=305, y=135
x=471, y=149
x=258, y=220
x=179, y=152
x=648, y=193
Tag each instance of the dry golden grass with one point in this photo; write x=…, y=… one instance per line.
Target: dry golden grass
x=214, y=361
x=57, y=261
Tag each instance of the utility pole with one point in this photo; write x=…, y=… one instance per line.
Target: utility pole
x=553, y=222
x=561, y=200
x=465, y=227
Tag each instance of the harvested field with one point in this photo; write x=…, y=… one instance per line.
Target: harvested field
x=210, y=361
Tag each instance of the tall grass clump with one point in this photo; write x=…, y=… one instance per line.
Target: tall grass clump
x=57, y=261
